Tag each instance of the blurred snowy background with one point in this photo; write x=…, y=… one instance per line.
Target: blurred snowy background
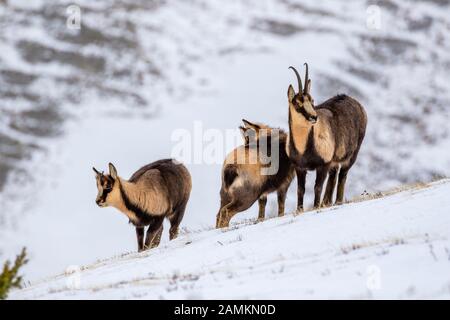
x=136, y=70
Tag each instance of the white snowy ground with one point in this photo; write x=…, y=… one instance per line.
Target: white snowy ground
x=397, y=246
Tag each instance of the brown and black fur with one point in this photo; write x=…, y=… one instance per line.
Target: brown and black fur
x=325, y=138
x=243, y=183
x=156, y=191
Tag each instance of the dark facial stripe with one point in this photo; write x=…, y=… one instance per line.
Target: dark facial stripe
x=106, y=191
x=105, y=194
x=303, y=112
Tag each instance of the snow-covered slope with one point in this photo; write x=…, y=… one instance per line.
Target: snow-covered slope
x=396, y=246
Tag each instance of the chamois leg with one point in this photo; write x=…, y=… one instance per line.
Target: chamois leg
x=226, y=213
x=140, y=238
x=301, y=181
x=341, y=185
x=156, y=239
x=219, y=219
x=154, y=232
x=175, y=220
x=343, y=175
x=281, y=197
x=321, y=174
x=262, y=201
x=331, y=184
x=221, y=215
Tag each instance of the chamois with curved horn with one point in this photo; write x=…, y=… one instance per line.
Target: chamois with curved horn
x=156, y=191
x=249, y=175
x=325, y=138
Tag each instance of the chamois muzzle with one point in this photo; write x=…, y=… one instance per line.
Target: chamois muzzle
x=312, y=119
x=100, y=203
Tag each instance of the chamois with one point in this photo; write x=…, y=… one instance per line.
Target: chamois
x=244, y=181
x=156, y=191
x=323, y=138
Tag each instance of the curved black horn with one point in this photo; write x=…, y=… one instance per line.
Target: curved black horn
x=299, y=80
x=306, y=79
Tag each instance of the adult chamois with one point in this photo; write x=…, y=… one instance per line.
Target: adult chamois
x=156, y=191
x=249, y=175
x=323, y=138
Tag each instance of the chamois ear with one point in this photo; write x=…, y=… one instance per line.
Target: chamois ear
x=291, y=93
x=308, y=86
x=112, y=171
x=243, y=131
x=244, y=134
x=96, y=171
x=250, y=125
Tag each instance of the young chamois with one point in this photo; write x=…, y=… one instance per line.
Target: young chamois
x=156, y=191
x=323, y=138
x=249, y=174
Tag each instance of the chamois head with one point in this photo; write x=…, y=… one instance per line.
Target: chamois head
x=302, y=102
x=106, y=185
x=252, y=132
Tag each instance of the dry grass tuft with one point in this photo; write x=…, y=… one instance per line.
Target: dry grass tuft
x=407, y=187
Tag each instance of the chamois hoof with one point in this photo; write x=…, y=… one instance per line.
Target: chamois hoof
x=326, y=204
x=221, y=225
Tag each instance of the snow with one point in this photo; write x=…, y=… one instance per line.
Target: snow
x=393, y=247
x=212, y=63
